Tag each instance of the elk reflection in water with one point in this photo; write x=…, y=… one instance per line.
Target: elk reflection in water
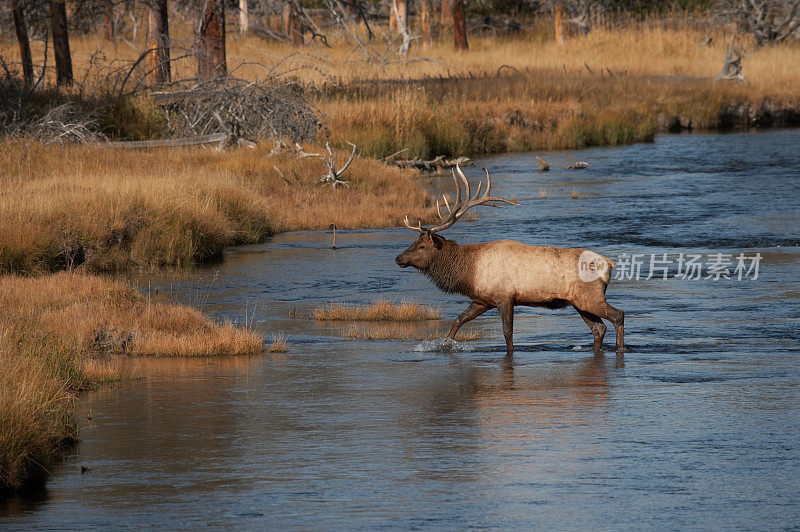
x=477, y=420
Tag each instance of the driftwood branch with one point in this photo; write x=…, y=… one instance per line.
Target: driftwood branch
x=333, y=175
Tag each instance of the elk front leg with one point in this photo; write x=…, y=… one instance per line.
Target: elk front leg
x=506, y=310
x=473, y=311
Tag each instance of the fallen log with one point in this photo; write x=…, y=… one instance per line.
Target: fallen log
x=165, y=143
x=434, y=165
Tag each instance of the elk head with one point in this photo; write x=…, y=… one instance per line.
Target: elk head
x=421, y=252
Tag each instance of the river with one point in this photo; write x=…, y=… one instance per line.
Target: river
x=697, y=426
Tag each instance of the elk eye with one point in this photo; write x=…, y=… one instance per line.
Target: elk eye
x=422, y=247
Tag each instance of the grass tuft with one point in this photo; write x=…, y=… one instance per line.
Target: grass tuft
x=279, y=344
x=380, y=310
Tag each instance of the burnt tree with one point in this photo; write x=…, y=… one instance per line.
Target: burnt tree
x=24, y=44
x=58, y=26
x=158, y=43
x=211, y=62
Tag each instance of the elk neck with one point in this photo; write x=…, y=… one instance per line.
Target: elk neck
x=452, y=268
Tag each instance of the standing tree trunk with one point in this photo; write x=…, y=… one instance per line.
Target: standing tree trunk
x=24, y=43
x=108, y=19
x=58, y=26
x=350, y=11
x=158, y=43
x=446, y=15
x=211, y=61
x=292, y=23
x=398, y=8
x=460, y=24
x=244, y=20
x=560, y=22
x=425, y=21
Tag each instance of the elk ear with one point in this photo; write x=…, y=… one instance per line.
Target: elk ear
x=438, y=241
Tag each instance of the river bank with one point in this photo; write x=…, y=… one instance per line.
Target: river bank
x=64, y=333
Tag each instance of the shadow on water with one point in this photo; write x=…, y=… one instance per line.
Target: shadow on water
x=696, y=427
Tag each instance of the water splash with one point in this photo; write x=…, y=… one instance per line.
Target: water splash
x=444, y=345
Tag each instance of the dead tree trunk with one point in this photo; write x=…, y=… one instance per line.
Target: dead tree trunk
x=211, y=62
x=58, y=26
x=402, y=10
x=446, y=15
x=398, y=7
x=560, y=23
x=244, y=19
x=158, y=43
x=460, y=25
x=425, y=21
x=292, y=23
x=732, y=67
x=108, y=19
x=24, y=44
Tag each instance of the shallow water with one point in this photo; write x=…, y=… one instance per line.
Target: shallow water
x=697, y=427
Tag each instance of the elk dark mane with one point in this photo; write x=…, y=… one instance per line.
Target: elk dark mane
x=451, y=268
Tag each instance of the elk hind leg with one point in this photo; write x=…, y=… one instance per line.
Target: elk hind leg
x=473, y=311
x=506, y=310
x=596, y=325
x=603, y=310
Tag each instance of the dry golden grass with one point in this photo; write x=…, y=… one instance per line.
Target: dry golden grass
x=393, y=331
x=654, y=48
x=97, y=315
x=56, y=334
x=173, y=207
x=380, y=310
x=545, y=99
x=279, y=343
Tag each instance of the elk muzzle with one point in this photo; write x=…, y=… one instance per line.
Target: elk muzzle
x=401, y=260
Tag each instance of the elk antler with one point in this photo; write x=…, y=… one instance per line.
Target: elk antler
x=462, y=204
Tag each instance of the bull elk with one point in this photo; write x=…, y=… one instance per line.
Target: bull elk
x=504, y=273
